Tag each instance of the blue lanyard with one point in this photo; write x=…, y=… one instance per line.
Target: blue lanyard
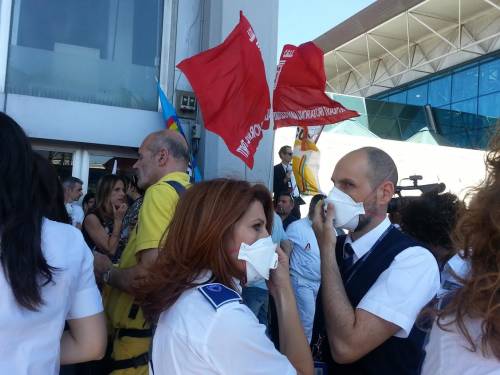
x=357, y=265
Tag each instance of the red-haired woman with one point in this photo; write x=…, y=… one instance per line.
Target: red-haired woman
x=466, y=338
x=194, y=289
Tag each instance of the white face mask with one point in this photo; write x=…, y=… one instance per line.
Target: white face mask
x=260, y=258
x=347, y=211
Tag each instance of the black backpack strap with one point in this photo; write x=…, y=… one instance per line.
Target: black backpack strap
x=178, y=187
x=150, y=351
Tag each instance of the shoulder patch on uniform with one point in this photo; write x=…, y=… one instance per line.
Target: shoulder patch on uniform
x=219, y=294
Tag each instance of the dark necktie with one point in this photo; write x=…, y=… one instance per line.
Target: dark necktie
x=348, y=257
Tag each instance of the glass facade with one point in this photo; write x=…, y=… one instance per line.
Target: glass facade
x=94, y=51
x=471, y=88
x=454, y=128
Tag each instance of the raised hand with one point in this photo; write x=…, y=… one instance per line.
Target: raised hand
x=119, y=212
x=323, y=226
x=280, y=277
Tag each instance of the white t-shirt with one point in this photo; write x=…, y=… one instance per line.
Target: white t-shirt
x=305, y=259
x=30, y=340
x=192, y=337
x=404, y=288
x=447, y=353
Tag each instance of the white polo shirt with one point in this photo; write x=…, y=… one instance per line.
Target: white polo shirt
x=30, y=340
x=192, y=337
x=404, y=288
x=305, y=258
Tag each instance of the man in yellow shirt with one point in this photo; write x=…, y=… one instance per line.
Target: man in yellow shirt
x=161, y=170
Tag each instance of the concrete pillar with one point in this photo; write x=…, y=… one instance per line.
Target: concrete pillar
x=220, y=17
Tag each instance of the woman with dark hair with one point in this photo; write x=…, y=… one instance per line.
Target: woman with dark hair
x=50, y=189
x=46, y=275
x=466, y=336
x=88, y=202
x=217, y=241
x=102, y=225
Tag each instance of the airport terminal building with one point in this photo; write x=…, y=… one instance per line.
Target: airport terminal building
x=420, y=65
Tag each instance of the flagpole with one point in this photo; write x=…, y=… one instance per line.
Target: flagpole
x=170, y=117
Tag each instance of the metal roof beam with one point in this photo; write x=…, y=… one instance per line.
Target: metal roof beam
x=435, y=17
x=469, y=34
x=386, y=50
x=387, y=68
x=413, y=10
x=347, y=81
x=492, y=4
x=426, y=58
x=482, y=40
x=348, y=63
x=352, y=53
x=387, y=37
x=432, y=30
x=369, y=60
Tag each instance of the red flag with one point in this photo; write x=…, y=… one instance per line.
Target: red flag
x=299, y=97
x=230, y=83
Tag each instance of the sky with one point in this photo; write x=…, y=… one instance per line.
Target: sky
x=301, y=21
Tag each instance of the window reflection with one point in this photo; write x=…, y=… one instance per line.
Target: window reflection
x=489, y=77
x=462, y=90
x=489, y=105
x=417, y=95
x=440, y=91
x=95, y=51
x=465, y=83
x=469, y=106
x=399, y=97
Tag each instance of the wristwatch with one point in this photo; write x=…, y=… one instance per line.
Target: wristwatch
x=106, y=275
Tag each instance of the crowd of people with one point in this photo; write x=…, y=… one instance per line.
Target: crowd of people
x=153, y=274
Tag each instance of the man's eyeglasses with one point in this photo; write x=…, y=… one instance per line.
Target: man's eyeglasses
x=289, y=153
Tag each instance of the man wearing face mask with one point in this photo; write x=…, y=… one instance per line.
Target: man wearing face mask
x=375, y=280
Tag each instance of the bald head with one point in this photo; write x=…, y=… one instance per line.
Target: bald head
x=380, y=166
x=367, y=175
x=172, y=140
x=161, y=153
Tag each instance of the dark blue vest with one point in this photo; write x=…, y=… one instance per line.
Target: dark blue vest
x=396, y=355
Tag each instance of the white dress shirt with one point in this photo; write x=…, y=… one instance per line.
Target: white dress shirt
x=295, y=188
x=404, y=288
x=192, y=337
x=448, y=352
x=30, y=340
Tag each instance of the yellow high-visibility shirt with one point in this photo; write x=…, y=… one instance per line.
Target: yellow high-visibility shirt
x=155, y=215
